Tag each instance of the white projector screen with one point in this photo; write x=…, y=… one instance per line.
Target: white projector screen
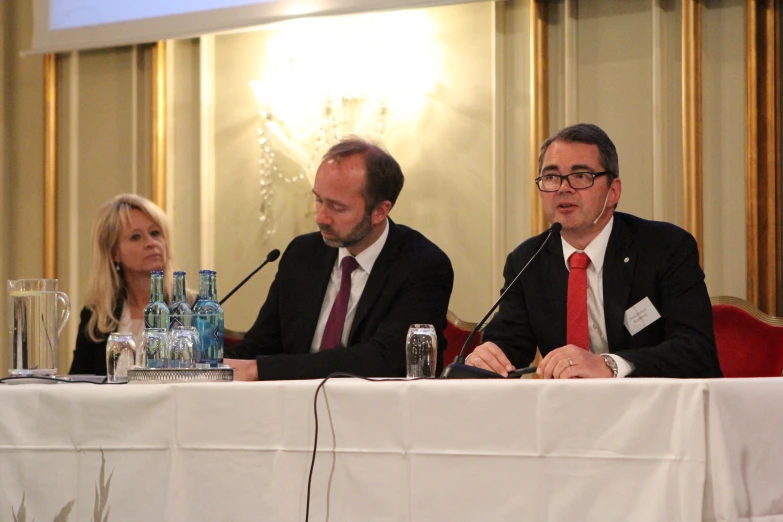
x=68, y=25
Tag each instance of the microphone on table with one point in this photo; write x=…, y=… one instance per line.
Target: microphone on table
x=271, y=256
x=458, y=369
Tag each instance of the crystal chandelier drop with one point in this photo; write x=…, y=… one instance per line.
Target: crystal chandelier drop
x=351, y=116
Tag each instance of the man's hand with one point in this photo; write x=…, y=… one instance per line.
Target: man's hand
x=490, y=357
x=244, y=369
x=571, y=361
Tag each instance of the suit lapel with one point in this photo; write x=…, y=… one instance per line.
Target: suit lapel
x=557, y=286
x=378, y=276
x=617, y=275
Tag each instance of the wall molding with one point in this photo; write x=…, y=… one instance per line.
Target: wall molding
x=50, y=166
x=207, y=149
x=658, y=113
x=539, y=103
x=570, y=57
x=158, y=174
x=692, y=132
x=498, y=223
x=69, y=66
x=763, y=154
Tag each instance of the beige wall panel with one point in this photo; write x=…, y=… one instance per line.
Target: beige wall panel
x=559, y=65
x=107, y=128
x=73, y=230
x=21, y=156
x=669, y=165
x=140, y=70
x=24, y=115
x=614, y=57
x=518, y=178
x=183, y=158
x=446, y=154
x=440, y=121
x=724, y=146
x=6, y=62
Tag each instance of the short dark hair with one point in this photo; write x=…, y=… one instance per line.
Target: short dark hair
x=384, y=175
x=592, y=135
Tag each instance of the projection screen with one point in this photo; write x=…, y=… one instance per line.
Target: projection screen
x=68, y=25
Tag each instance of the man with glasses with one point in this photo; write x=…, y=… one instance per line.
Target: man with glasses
x=615, y=295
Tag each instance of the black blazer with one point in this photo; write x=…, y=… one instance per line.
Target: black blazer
x=410, y=282
x=89, y=357
x=643, y=259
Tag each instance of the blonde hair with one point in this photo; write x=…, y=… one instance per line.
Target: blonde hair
x=107, y=288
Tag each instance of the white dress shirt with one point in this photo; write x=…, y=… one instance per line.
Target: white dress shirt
x=596, y=251
x=366, y=260
x=131, y=326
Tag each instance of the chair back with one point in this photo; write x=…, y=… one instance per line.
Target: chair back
x=456, y=333
x=232, y=337
x=750, y=342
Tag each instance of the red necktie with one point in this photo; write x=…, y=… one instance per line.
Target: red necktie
x=577, y=332
x=333, y=332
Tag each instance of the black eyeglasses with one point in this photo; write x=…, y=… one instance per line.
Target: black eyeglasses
x=577, y=180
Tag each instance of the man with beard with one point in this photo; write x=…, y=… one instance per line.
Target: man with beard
x=343, y=298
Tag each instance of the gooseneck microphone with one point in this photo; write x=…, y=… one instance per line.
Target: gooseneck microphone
x=458, y=369
x=270, y=257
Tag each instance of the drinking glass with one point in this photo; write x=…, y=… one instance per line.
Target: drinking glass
x=421, y=351
x=120, y=355
x=184, y=346
x=154, y=349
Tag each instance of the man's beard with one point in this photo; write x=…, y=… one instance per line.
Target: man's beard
x=353, y=238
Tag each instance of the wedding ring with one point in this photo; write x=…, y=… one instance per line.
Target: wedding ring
x=476, y=357
x=570, y=362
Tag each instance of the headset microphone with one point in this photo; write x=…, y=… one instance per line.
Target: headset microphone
x=603, y=209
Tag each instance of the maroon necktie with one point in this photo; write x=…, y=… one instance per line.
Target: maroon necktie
x=333, y=332
x=577, y=332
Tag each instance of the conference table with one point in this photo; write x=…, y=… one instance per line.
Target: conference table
x=420, y=450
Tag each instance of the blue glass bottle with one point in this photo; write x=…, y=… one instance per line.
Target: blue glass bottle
x=179, y=309
x=208, y=319
x=156, y=313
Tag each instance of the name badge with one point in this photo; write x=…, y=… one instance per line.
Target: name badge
x=640, y=315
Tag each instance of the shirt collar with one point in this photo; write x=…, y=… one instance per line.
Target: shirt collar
x=369, y=255
x=596, y=250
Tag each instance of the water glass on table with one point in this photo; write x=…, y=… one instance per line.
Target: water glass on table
x=120, y=355
x=184, y=347
x=154, y=349
x=421, y=351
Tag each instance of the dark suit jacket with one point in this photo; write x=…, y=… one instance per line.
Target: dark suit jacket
x=410, y=282
x=89, y=357
x=643, y=259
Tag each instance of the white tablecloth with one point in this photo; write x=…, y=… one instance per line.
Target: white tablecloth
x=631, y=450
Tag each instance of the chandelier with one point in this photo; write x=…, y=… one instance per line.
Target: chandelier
x=353, y=114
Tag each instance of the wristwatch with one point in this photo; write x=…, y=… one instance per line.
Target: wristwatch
x=611, y=363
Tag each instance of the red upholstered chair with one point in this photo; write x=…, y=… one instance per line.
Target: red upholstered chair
x=231, y=337
x=750, y=342
x=456, y=333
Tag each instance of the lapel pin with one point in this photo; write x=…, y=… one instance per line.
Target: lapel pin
x=626, y=260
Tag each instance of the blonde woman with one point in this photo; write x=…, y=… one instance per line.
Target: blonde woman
x=130, y=239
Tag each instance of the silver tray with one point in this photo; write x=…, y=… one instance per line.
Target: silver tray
x=169, y=375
